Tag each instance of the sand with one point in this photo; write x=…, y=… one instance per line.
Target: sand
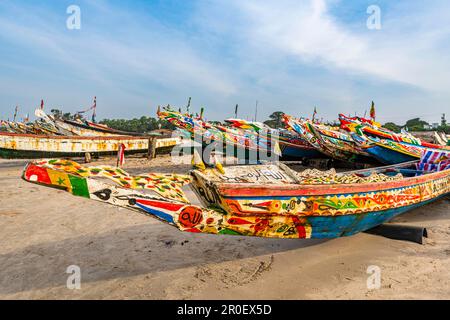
x=126, y=255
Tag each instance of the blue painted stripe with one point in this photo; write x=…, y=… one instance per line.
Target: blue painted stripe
x=388, y=156
x=162, y=215
x=291, y=151
x=339, y=226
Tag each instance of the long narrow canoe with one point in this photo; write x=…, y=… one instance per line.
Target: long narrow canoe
x=332, y=143
x=392, y=152
x=29, y=146
x=247, y=147
x=78, y=128
x=262, y=200
x=369, y=128
x=292, y=145
x=92, y=129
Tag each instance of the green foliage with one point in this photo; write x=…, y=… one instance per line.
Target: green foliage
x=58, y=114
x=141, y=125
x=445, y=129
x=392, y=126
x=276, y=120
x=416, y=124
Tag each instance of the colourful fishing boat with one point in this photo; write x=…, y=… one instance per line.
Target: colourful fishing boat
x=30, y=146
x=79, y=127
x=374, y=130
x=292, y=145
x=267, y=200
x=90, y=129
x=329, y=141
x=441, y=139
x=245, y=146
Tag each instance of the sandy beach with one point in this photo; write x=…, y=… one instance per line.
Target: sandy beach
x=126, y=255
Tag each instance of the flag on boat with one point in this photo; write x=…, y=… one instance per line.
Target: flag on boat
x=42, y=104
x=15, y=113
x=94, y=107
x=432, y=160
x=121, y=155
x=372, y=111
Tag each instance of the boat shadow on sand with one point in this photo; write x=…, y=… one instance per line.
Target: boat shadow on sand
x=145, y=249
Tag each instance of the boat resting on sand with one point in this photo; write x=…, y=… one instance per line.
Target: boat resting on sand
x=29, y=146
x=392, y=152
x=441, y=139
x=268, y=200
x=246, y=146
x=330, y=142
x=291, y=144
x=78, y=127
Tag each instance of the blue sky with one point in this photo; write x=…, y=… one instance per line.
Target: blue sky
x=289, y=55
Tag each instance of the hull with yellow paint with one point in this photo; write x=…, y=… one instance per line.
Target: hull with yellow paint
x=38, y=146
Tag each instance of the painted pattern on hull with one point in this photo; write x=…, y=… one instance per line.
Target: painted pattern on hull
x=279, y=208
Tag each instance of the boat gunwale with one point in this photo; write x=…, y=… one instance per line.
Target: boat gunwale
x=55, y=137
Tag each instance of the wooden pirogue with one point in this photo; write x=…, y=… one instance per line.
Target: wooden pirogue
x=384, y=145
x=267, y=200
x=28, y=146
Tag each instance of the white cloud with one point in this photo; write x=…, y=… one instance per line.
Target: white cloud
x=151, y=52
x=398, y=52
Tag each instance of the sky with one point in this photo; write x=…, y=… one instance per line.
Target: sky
x=288, y=55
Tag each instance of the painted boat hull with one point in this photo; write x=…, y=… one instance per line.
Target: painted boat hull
x=388, y=156
x=299, y=152
x=34, y=146
x=274, y=207
x=93, y=129
x=348, y=225
x=248, y=147
x=319, y=211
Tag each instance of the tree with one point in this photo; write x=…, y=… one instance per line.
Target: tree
x=141, y=125
x=58, y=114
x=392, y=126
x=276, y=120
x=416, y=124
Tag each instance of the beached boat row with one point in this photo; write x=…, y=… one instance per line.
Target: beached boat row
x=356, y=140
x=27, y=146
x=50, y=137
x=265, y=198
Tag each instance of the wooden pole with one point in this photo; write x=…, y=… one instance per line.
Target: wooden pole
x=151, y=148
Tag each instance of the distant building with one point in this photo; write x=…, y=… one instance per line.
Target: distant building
x=435, y=125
